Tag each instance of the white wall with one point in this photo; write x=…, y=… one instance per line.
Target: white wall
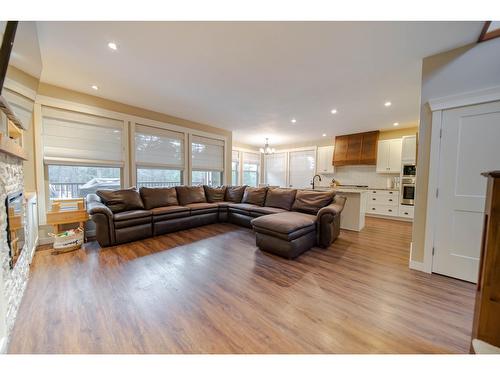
x=469, y=68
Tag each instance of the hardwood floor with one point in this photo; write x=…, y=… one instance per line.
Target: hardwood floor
x=210, y=290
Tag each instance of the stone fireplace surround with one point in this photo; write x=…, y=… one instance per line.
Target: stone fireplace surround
x=12, y=281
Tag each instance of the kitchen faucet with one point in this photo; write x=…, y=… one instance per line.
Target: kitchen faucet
x=314, y=178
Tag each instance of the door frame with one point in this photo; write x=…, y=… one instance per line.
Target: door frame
x=437, y=107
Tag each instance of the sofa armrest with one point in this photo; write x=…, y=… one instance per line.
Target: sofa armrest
x=102, y=216
x=328, y=222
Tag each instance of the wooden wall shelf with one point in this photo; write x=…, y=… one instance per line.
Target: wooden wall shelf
x=8, y=146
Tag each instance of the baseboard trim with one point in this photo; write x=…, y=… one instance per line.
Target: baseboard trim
x=3, y=345
x=417, y=266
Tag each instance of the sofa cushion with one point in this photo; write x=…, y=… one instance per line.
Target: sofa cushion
x=214, y=194
x=169, y=212
x=234, y=193
x=121, y=200
x=128, y=215
x=266, y=210
x=202, y=206
x=285, y=225
x=158, y=197
x=254, y=195
x=190, y=194
x=310, y=202
x=280, y=198
x=241, y=206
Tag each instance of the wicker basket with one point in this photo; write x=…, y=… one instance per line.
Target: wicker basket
x=67, y=242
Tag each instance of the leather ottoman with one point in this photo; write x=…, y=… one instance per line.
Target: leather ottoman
x=287, y=234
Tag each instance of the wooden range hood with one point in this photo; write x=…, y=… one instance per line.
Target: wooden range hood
x=356, y=149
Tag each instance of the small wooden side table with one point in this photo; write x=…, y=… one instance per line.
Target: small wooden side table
x=67, y=211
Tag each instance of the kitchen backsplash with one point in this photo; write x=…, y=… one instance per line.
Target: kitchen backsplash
x=358, y=175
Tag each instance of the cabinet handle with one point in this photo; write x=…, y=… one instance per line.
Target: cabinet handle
x=374, y=199
x=373, y=208
x=390, y=192
x=406, y=213
x=390, y=199
x=390, y=210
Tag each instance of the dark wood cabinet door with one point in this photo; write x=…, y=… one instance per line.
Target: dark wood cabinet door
x=369, y=148
x=354, y=148
x=340, y=150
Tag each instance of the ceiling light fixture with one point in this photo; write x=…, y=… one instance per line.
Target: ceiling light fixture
x=396, y=124
x=294, y=121
x=333, y=111
x=324, y=135
x=266, y=150
x=113, y=46
x=387, y=104
x=95, y=87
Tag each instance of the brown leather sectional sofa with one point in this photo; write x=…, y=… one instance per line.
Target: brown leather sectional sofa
x=287, y=222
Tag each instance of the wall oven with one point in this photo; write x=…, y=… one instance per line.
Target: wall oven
x=409, y=170
x=408, y=191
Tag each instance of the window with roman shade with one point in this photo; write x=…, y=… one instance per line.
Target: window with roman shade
x=301, y=168
x=82, y=153
x=251, y=168
x=207, y=160
x=76, y=138
x=159, y=156
x=275, y=169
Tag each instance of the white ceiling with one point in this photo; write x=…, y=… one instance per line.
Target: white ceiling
x=254, y=77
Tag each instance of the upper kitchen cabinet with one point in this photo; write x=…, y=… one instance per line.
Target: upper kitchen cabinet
x=409, y=149
x=389, y=156
x=324, y=160
x=354, y=149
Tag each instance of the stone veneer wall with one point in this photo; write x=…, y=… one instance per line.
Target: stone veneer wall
x=15, y=280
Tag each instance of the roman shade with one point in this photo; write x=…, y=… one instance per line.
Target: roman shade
x=159, y=147
x=275, y=168
x=301, y=168
x=75, y=138
x=207, y=154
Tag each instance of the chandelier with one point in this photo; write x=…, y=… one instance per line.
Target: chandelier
x=266, y=150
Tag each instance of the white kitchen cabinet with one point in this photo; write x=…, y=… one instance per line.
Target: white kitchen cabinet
x=389, y=156
x=325, y=160
x=409, y=149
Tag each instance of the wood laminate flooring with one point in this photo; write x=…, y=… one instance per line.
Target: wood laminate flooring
x=210, y=290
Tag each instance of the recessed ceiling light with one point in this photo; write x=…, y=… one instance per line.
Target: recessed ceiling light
x=294, y=121
x=95, y=87
x=396, y=124
x=333, y=111
x=113, y=46
x=387, y=104
x=324, y=135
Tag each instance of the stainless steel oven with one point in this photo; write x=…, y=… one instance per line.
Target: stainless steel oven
x=408, y=191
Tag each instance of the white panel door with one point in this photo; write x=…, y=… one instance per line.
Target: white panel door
x=469, y=146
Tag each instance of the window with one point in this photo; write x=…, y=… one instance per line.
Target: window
x=158, y=177
x=251, y=168
x=207, y=159
x=235, y=168
x=74, y=181
x=275, y=168
x=209, y=178
x=301, y=168
x=159, y=156
x=82, y=153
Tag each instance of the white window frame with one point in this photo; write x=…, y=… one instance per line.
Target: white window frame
x=129, y=168
x=240, y=151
